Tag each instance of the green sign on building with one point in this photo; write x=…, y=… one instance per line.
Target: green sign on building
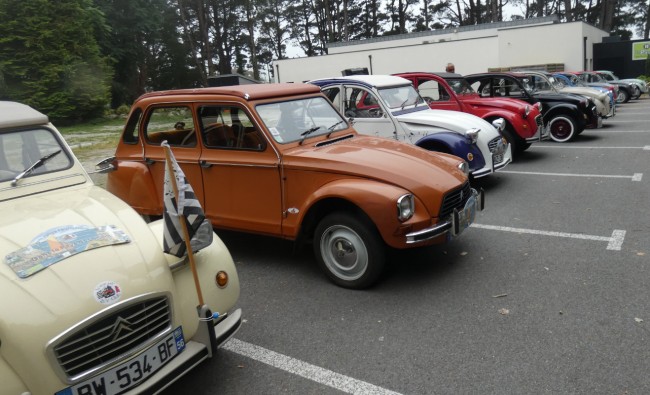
x=640, y=50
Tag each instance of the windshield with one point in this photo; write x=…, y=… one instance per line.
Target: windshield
x=400, y=97
x=540, y=83
x=460, y=86
x=296, y=120
x=37, y=149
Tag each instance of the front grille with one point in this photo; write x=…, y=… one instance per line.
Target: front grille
x=539, y=121
x=492, y=145
x=455, y=199
x=110, y=337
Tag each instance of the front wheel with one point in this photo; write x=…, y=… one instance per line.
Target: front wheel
x=622, y=97
x=350, y=250
x=563, y=128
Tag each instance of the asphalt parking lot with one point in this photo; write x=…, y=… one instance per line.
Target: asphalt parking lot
x=546, y=293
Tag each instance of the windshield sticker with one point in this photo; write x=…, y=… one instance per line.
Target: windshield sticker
x=58, y=243
x=274, y=131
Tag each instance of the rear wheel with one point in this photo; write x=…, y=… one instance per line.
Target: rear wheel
x=350, y=250
x=563, y=128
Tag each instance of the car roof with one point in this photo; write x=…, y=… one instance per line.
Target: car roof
x=247, y=92
x=513, y=74
x=18, y=115
x=441, y=74
x=378, y=81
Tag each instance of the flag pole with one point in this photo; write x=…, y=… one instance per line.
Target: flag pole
x=186, y=233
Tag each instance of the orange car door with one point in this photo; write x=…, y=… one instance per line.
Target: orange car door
x=241, y=171
x=175, y=125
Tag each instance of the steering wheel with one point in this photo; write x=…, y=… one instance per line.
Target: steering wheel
x=375, y=112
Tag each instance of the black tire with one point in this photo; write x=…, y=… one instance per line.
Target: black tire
x=623, y=96
x=349, y=250
x=563, y=128
x=636, y=92
x=517, y=144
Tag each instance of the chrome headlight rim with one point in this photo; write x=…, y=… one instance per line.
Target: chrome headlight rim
x=526, y=111
x=499, y=124
x=405, y=207
x=472, y=134
x=464, y=167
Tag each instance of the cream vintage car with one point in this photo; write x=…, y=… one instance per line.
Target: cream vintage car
x=90, y=303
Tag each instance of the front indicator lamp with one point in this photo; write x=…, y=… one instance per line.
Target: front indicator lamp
x=221, y=279
x=405, y=207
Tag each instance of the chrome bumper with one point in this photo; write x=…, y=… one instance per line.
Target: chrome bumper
x=455, y=224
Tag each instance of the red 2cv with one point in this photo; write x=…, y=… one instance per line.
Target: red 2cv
x=450, y=91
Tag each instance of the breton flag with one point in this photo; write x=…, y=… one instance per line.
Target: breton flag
x=186, y=208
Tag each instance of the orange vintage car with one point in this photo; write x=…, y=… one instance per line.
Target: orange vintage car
x=279, y=160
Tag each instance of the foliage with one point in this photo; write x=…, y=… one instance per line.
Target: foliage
x=49, y=57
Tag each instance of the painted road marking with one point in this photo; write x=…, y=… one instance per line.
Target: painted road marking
x=614, y=242
x=634, y=177
x=564, y=146
x=303, y=369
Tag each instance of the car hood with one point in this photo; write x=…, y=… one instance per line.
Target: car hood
x=423, y=173
x=459, y=122
x=552, y=96
x=513, y=105
x=51, y=300
x=591, y=92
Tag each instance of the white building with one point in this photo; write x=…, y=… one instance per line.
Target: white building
x=472, y=49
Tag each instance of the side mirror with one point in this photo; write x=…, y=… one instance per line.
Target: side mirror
x=106, y=165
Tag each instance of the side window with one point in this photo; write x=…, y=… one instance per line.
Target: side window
x=482, y=87
x=360, y=103
x=429, y=90
x=130, y=135
x=173, y=124
x=333, y=95
x=229, y=127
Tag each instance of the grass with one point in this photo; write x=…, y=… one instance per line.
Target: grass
x=93, y=138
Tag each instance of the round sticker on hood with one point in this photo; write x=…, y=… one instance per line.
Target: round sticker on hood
x=107, y=292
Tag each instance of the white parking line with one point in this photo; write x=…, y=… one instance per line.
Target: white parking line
x=634, y=177
x=564, y=146
x=311, y=372
x=614, y=242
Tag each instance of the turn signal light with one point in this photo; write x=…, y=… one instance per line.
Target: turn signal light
x=221, y=279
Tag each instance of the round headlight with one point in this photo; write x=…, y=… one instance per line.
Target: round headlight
x=405, y=207
x=464, y=167
x=526, y=111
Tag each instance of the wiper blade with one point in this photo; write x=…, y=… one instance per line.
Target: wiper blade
x=308, y=132
x=34, y=166
x=331, y=128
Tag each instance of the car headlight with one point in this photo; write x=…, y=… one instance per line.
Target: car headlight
x=539, y=106
x=499, y=124
x=405, y=207
x=526, y=111
x=472, y=134
x=464, y=167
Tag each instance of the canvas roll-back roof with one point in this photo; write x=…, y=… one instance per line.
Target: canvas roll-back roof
x=247, y=92
x=13, y=115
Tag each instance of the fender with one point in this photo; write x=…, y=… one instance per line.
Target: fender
x=376, y=199
x=456, y=145
x=11, y=383
x=140, y=190
x=561, y=108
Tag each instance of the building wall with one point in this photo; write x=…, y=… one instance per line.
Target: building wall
x=471, y=51
x=617, y=56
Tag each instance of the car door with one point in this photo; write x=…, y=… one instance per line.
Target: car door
x=436, y=95
x=240, y=170
x=175, y=124
x=362, y=105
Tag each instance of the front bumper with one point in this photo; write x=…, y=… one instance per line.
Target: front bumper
x=543, y=133
x=458, y=221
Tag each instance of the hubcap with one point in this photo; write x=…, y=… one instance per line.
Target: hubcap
x=561, y=129
x=344, y=252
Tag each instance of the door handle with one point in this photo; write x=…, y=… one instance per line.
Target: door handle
x=149, y=161
x=205, y=164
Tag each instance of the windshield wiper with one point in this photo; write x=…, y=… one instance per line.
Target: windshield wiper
x=308, y=132
x=406, y=102
x=34, y=166
x=331, y=128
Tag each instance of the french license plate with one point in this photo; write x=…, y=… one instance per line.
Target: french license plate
x=133, y=371
x=467, y=215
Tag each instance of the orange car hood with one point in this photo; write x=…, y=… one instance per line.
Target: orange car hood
x=420, y=171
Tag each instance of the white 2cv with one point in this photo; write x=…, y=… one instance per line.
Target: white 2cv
x=90, y=303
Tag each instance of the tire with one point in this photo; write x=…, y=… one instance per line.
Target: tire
x=517, y=144
x=623, y=96
x=636, y=92
x=563, y=128
x=349, y=250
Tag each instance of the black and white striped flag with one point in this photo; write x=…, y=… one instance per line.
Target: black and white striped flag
x=187, y=209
